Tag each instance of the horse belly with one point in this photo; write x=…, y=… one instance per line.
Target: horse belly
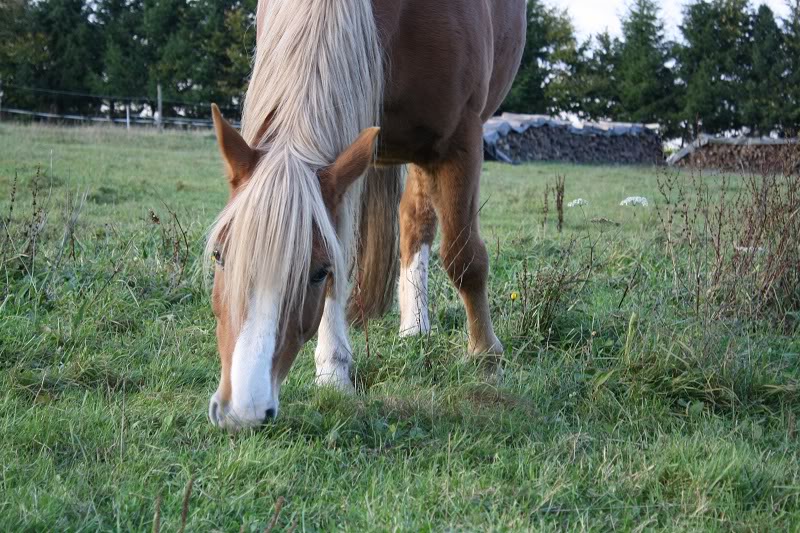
x=446, y=60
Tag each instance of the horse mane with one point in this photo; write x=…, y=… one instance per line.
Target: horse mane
x=318, y=81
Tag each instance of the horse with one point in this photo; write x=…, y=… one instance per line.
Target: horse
x=362, y=119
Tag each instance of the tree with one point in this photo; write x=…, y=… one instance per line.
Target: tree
x=22, y=52
x=550, y=41
x=170, y=48
x=590, y=89
x=229, y=38
x=791, y=85
x=646, y=84
x=199, y=51
x=712, y=65
x=73, y=47
x=124, y=65
x=762, y=106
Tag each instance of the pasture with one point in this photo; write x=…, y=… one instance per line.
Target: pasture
x=627, y=402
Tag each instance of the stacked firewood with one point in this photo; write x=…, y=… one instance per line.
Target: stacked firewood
x=757, y=158
x=554, y=143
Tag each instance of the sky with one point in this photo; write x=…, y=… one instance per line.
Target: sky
x=595, y=16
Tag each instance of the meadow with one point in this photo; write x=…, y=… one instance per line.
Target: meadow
x=630, y=400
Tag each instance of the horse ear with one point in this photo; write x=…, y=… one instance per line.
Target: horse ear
x=240, y=159
x=350, y=164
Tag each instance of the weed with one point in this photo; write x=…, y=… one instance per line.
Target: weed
x=559, y=192
x=547, y=292
x=734, y=252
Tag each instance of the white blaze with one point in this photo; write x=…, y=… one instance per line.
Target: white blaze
x=253, y=390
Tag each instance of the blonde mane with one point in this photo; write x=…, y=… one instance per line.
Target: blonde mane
x=318, y=76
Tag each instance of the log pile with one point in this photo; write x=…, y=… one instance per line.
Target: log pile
x=760, y=156
x=522, y=138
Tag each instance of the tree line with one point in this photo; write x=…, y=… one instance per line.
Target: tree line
x=734, y=68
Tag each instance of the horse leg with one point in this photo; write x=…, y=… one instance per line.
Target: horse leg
x=333, y=356
x=417, y=230
x=455, y=188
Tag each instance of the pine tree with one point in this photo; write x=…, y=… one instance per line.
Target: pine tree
x=240, y=34
x=23, y=53
x=74, y=45
x=171, y=48
x=565, y=67
x=791, y=85
x=550, y=39
x=646, y=84
x=593, y=83
x=124, y=64
x=713, y=65
x=228, y=40
x=762, y=107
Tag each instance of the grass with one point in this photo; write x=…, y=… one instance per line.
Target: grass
x=621, y=407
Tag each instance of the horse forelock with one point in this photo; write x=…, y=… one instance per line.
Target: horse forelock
x=317, y=81
x=266, y=234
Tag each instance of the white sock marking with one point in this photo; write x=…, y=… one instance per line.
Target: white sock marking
x=333, y=356
x=413, y=295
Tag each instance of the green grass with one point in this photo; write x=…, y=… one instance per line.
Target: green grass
x=621, y=407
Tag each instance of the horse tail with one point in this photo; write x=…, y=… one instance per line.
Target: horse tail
x=378, y=246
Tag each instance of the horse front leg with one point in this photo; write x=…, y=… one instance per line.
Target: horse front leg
x=333, y=356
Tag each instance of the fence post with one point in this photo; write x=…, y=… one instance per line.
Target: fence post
x=128, y=116
x=1, y=98
x=159, y=119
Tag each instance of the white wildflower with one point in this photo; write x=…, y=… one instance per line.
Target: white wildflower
x=632, y=201
x=578, y=202
x=749, y=249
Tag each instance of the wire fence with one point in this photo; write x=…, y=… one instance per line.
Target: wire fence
x=142, y=111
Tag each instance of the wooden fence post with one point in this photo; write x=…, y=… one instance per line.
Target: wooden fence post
x=160, y=118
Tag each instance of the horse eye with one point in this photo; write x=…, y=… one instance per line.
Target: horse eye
x=320, y=275
x=216, y=255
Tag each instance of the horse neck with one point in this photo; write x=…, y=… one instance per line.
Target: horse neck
x=318, y=77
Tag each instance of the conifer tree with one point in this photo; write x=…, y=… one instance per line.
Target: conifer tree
x=762, y=107
x=124, y=66
x=23, y=52
x=550, y=40
x=790, y=96
x=646, y=84
x=713, y=65
x=74, y=47
x=594, y=87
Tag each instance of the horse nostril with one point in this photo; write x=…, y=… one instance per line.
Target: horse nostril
x=269, y=415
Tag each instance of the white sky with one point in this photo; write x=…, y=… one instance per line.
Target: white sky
x=594, y=16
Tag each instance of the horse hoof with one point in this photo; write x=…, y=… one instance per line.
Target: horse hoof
x=337, y=378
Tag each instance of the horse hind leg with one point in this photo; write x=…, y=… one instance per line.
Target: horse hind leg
x=417, y=230
x=455, y=193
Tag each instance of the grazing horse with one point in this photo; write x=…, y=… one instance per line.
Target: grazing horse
x=308, y=240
